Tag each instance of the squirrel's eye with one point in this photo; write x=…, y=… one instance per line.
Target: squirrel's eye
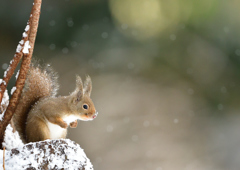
x=85, y=106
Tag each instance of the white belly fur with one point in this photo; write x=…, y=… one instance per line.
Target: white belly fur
x=56, y=131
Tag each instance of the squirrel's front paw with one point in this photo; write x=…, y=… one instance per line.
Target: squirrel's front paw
x=74, y=124
x=64, y=125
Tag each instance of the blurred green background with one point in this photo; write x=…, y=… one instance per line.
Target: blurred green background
x=166, y=77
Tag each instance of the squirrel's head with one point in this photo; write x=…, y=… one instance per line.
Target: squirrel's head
x=81, y=102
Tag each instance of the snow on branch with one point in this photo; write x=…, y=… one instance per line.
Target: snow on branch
x=49, y=154
x=21, y=48
x=25, y=49
x=4, y=103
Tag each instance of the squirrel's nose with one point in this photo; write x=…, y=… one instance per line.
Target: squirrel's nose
x=95, y=115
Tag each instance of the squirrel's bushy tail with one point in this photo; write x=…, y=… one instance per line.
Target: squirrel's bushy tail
x=40, y=83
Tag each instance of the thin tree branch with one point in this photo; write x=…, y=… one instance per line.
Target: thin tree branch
x=36, y=10
x=16, y=59
x=13, y=64
x=27, y=51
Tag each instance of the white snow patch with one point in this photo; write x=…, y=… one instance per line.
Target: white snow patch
x=5, y=74
x=26, y=47
x=13, y=90
x=11, y=140
x=1, y=115
x=24, y=35
x=17, y=74
x=4, y=82
x=19, y=48
x=21, y=42
x=27, y=28
x=11, y=61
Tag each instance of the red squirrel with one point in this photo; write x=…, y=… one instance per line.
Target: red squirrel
x=40, y=115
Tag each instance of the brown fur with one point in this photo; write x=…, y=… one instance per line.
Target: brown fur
x=38, y=105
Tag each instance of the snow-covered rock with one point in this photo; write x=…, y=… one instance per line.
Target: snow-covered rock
x=48, y=154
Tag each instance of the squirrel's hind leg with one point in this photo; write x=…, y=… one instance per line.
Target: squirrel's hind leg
x=37, y=130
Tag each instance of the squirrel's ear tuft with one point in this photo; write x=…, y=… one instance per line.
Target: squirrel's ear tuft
x=79, y=96
x=87, y=86
x=78, y=93
x=76, y=96
x=79, y=84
